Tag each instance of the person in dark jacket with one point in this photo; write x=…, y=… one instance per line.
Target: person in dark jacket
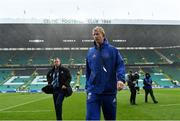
x=131, y=83
x=148, y=88
x=59, y=77
x=105, y=74
x=136, y=76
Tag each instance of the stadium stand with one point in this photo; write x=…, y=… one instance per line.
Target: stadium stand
x=41, y=57
x=172, y=54
x=172, y=72
x=160, y=78
x=24, y=63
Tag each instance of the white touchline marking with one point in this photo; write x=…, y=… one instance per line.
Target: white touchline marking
x=170, y=105
x=23, y=104
x=27, y=111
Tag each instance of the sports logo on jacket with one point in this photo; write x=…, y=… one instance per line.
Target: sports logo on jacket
x=94, y=56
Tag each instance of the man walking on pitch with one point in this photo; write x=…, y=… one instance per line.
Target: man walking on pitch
x=105, y=74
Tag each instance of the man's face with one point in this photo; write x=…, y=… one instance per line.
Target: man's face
x=57, y=62
x=98, y=37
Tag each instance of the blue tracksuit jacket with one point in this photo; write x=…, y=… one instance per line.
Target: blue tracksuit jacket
x=147, y=83
x=104, y=67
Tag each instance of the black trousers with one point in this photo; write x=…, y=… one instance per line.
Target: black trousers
x=58, y=98
x=149, y=91
x=133, y=95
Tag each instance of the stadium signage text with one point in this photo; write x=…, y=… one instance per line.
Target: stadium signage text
x=74, y=21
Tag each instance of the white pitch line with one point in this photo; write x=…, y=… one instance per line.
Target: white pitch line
x=23, y=104
x=27, y=111
x=170, y=105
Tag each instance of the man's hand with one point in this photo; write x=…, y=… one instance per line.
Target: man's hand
x=63, y=87
x=120, y=85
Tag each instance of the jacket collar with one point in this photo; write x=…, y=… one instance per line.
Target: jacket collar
x=53, y=69
x=105, y=43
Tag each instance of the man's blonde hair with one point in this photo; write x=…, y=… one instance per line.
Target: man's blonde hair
x=100, y=29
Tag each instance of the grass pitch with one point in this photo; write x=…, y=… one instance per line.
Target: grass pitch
x=39, y=106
